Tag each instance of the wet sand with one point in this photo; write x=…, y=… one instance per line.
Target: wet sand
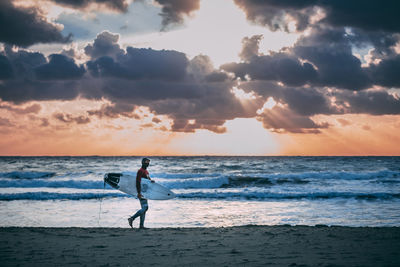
x=232, y=246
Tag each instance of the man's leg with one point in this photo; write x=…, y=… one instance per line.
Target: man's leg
x=145, y=207
x=142, y=212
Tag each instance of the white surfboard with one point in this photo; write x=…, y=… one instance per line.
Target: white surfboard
x=127, y=184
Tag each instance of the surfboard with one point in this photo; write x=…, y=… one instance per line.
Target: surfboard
x=127, y=184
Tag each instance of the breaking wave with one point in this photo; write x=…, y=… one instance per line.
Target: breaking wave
x=205, y=195
x=27, y=175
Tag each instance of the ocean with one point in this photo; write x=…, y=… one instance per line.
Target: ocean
x=211, y=191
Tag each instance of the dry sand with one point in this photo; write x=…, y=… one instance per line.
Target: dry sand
x=233, y=246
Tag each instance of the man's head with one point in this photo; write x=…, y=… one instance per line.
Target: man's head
x=145, y=162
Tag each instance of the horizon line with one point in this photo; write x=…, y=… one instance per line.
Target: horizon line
x=204, y=155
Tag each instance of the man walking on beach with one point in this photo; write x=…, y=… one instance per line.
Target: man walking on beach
x=142, y=173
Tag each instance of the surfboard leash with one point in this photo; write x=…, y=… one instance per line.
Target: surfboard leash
x=101, y=201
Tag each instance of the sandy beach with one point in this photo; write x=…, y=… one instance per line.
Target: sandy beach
x=232, y=246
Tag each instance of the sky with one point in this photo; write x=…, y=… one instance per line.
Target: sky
x=199, y=77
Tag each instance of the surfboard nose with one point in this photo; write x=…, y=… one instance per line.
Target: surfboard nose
x=112, y=179
x=171, y=195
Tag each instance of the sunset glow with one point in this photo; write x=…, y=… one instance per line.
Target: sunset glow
x=212, y=77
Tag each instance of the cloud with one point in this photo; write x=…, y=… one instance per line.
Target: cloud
x=27, y=26
x=374, y=102
x=23, y=62
x=361, y=14
x=368, y=15
x=344, y=122
x=109, y=60
x=6, y=71
x=44, y=122
x=278, y=14
x=69, y=118
x=323, y=58
x=117, y=5
x=173, y=11
x=296, y=106
x=105, y=44
x=250, y=47
x=35, y=78
x=25, y=90
x=4, y=122
x=34, y=108
x=59, y=67
x=200, y=68
x=308, y=102
x=336, y=68
x=282, y=119
x=156, y=120
x=276, y=67
x=140, y=63
x=386, y=72
x=115, y=111
x=194, y=95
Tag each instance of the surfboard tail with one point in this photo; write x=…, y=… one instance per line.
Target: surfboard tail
x=112, y=179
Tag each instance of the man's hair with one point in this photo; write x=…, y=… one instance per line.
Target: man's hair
x=144, y=160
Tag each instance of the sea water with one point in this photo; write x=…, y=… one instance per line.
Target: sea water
x=211, y=191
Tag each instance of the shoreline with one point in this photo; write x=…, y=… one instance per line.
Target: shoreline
x=250, y=245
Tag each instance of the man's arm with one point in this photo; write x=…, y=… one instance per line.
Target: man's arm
x=138, y=182
x=148, y=177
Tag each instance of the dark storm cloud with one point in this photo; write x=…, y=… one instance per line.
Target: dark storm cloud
x=276, y=67
x=282, y=67
x=118, y=5
x=173, y=11
x=190, y=104
x=192, y=93
x=35, y=78
x=216, y=76
x=25, y=86
x=6, y=71
x=369, y=15
x=307, y=102
x=387, y=72
x=296, y=106
x=59, y=67
x=322, y=58
x=329, y=50
x=109, y=60
x=374, y=102
x=25, y=91
x=27, y=26
x=23, y=62
x=105, y=44
x=195, y=95
x=140, y=63
x=336, y=68
x=273, y=13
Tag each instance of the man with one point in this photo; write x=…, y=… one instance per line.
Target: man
x=142, y=173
